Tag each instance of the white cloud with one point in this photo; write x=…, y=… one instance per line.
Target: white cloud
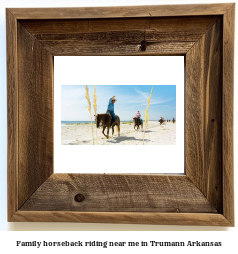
x=157, y=102
x=142, y=94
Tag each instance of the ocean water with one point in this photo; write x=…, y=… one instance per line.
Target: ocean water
x=74, y=122
x=82, y=122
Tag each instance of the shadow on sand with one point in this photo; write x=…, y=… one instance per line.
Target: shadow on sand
x=121, y=139
x=148, y=131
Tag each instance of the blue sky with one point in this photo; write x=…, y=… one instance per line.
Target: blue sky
x=130, y=99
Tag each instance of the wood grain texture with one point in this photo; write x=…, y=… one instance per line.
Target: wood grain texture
x=174, y=36
x=120, y=12
x=228, y=113
x=12, y=116
x=203, y=120
x=192, y=219
x=115, y=49
x=189, y=26
x=140, y=193
x=35, y=115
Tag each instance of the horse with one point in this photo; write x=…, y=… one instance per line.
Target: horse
x=161, y=121
x=137, y=123
x=105, y=120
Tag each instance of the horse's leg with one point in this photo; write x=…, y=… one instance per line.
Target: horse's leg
x=112, y=130
x=108, y=127
x=104, y=127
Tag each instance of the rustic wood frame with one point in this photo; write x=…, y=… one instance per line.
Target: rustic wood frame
x=204, y=34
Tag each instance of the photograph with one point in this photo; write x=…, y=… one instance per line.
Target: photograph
x=118, y=115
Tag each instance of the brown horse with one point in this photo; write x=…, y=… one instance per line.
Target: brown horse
x=161, y=121
x=137, y=123
x=106, y=121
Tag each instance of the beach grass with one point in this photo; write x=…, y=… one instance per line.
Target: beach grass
x=127, y=123
x=147, y=118
x=89, y=107
x=95, y=109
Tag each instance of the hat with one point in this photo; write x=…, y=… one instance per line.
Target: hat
x=113, y=98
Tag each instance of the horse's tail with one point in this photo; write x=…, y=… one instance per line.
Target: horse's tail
x=118, y=123
x=118, y=120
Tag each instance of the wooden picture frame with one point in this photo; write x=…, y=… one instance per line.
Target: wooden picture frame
x=204, y=34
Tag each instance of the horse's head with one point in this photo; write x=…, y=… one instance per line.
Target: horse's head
x=97, y=119
x=136, y=120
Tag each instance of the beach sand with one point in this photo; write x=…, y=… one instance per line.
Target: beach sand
x=155, y=134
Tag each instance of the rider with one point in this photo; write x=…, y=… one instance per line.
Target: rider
x=110, y=109
x=138, y=115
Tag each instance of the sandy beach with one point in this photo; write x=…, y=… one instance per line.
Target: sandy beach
x=155, y=134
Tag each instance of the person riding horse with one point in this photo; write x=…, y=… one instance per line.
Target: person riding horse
x=161, y=120
x=110, y=109
x=138, y=121
x=138, y=115
x=109, y=119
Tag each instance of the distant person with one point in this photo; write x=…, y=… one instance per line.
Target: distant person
x=110, y=109
x=138, y=115
x=161, y=120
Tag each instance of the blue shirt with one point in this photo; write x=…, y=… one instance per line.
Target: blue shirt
x=110, y=106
